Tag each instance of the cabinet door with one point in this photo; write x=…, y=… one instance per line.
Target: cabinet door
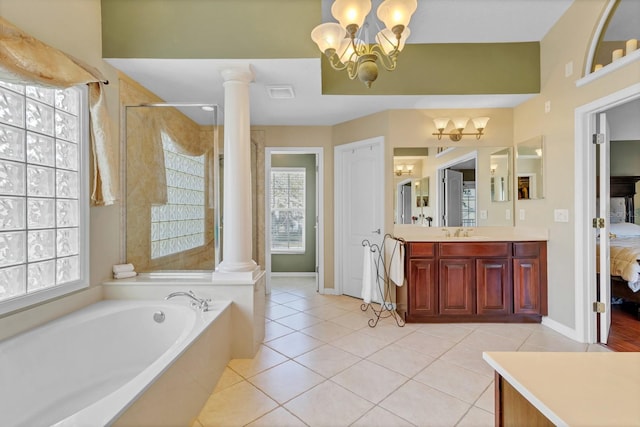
x=422, y=290
x=526, y=285
x=492, y=286
x=456, y=286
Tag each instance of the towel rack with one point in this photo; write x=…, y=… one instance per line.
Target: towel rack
x=383, y=283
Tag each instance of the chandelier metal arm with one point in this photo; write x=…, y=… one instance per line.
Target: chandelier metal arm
x=457, y=135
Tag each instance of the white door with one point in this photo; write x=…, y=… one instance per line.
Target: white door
x=453, y=198
x=603, y=183
x=359, y=208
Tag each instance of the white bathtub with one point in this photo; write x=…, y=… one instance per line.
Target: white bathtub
x=112, y=363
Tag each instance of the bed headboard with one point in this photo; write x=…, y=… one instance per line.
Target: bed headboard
x=625, y=186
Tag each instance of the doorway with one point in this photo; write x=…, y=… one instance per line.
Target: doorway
x=294, y=223
x=456, y=192
x=590, y=120
x=359, y=209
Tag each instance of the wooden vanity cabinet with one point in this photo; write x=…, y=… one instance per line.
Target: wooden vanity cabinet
x=474, y=282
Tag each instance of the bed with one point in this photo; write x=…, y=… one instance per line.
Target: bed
x=624, y=240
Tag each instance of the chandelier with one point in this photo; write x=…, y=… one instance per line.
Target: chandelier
x=349, y=49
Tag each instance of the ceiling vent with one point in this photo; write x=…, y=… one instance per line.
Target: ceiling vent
x=280, y=92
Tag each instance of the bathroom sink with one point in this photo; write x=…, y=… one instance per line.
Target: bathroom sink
x=466, y=238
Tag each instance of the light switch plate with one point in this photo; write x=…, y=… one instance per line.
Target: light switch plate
x=547, y=107
x=522, y=216
x=561, y=215
x=507, y=213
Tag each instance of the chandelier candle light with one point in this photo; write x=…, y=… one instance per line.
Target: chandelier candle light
x=459, y=123
x=345, y=47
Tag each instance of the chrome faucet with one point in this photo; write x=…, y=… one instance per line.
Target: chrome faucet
x=458, y=231
x=200, y=303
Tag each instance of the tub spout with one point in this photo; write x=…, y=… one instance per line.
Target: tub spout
x=201, y=303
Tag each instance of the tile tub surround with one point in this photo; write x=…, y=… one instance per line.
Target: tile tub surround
x=350, y=374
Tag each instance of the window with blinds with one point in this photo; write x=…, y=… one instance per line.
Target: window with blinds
x=287, y=210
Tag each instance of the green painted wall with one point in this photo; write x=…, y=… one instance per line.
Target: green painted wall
x=300, y=262
x=209, y=28
x=625, y=158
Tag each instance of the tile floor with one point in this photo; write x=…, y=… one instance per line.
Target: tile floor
x=322, y=365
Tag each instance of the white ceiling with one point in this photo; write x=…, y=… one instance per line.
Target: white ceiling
x=435, y=21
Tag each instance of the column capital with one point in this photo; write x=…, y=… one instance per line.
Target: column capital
x=238, y=72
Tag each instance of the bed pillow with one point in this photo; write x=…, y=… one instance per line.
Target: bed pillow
x=625, y=229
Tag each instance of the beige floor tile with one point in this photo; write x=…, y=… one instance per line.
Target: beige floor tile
x=454, y=380
x=445, y=330
x=326, y=331
x=512, y=331
x=369, y=380
x=425, y=406
x=490, y=342
x=360, y=344
x=237, y=405
x=285, y=381
x=328, y=405
x=378, y=417
x=273, y=330
x=598, y=348
x=294, y=344
x=554, y=341
x=327, y=360
x=402, y=360
x=228, y=378
x=279, y=417
x=468, y=358
x=487, y=399
x=476, y=417
x=264, y=359
x=426, y=344
x=303, y=304
x=283, y=297
x=353, y=320
x=388, y=331
x=299, y=321
x=327, y=311
x=277, y=311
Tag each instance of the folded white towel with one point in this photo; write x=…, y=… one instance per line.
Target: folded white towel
x=124, y=275
x=122, y=268
x=394, y=252
x=367, y=277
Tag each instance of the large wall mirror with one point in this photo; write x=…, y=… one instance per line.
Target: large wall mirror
x=530, y=169
x=483, y=176
x=171, y=191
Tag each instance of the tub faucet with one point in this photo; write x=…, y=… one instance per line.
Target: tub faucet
x=201, y=303
x=458, y=231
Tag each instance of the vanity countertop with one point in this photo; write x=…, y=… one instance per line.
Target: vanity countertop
x=575, y=389
x=416, y=233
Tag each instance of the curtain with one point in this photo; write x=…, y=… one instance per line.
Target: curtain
x=26, y=60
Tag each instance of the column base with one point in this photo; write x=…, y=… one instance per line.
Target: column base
x=221, y=275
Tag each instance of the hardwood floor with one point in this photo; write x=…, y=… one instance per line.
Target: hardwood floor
x=625, y=328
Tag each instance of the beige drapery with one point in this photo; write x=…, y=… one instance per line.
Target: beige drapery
x=27, y=60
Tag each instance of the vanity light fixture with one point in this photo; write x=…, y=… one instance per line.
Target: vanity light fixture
x=459, y=124
x=404, y=170
x=347, y=46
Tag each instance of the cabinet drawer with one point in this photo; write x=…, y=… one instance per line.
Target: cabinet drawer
x=475, y=249
x=421, y=249
x=528, y=249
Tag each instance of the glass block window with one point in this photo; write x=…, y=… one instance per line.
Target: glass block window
x=42, y=219
x=287, y=210
x=178, y=225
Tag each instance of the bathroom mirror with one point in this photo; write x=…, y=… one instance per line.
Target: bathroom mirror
x=170, y=187
x=530, y=169
x=500, y=181
x=481, y=206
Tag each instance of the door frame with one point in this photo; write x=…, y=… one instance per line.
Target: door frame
x=339, y=241
x=585, y=209
x=399, y=206
x=439, y=199
x=319, y=153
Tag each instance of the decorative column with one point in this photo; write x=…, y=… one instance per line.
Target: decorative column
x=236, y=231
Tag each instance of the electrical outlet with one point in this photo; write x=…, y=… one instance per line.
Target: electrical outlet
x=521, y=214
x=568, y=69
x=483, y=214
x=547, y=107
x=561, y=215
